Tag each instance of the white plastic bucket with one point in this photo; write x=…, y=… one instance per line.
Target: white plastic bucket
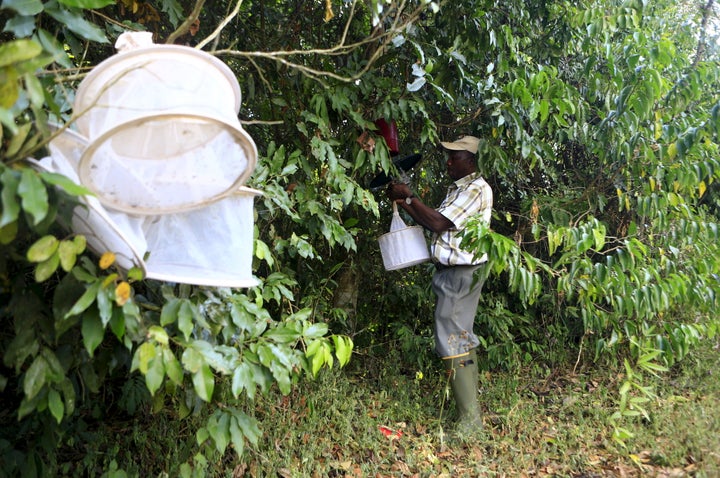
x=210, y=246
x=403, y=246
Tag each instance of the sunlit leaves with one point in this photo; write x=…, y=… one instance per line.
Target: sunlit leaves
x=43, y=249
x=49, y=253
x=227, y=426
x=87, y=4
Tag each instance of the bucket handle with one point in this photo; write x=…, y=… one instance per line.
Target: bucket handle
x=397, y=222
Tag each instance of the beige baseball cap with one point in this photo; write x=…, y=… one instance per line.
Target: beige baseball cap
x=466, y=143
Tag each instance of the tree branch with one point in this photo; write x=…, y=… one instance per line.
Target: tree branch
x=185, y=26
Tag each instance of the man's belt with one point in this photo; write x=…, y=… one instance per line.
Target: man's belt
x=442, y=267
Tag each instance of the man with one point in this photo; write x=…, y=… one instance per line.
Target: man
x=456, y=288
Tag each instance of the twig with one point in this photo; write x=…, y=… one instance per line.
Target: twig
x=222, y=25
x=185, y=26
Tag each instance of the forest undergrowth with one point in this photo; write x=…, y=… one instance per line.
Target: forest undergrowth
x=382, y=418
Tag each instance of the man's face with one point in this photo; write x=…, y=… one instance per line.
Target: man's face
x=458, y=164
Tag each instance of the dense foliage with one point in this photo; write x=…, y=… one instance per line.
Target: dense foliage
x=599, y=122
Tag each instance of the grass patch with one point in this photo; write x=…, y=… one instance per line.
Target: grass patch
x=388, y=421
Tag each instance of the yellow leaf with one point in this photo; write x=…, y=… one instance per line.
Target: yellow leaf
x=534, y=211
x=702, y=187
x=672, y=151
x=107, y=259
x=328, y=10
x=122, y=293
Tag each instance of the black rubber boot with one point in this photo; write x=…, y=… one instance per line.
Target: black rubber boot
x=464, y=381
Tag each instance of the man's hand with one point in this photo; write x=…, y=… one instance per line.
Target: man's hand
x=398, y=191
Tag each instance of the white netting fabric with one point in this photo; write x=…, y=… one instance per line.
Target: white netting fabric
x=154, y=80
x=162, y=129
x=212, y=245
x=105, y=230
x=160, y=145
x=167, y=164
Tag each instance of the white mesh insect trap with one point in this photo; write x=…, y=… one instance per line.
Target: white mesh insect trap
x=163, y=131
x=160, y=145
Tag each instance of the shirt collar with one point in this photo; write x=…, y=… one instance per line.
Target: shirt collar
x=466, y=179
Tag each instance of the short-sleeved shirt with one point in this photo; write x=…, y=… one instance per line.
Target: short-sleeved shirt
x=467, y=197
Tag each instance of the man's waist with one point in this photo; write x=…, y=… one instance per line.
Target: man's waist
x=440, y=267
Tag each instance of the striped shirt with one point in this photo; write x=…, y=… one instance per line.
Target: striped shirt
x=466, y=197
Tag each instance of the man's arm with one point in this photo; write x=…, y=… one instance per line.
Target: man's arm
x=421, y=213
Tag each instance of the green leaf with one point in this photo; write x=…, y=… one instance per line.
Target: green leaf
x=315, y=330
x=56, y=372
x=144, y=354
x=241, y=317
x=9, y=93
x=185, y=319
x=117, y=323
x=19, y=50
x=155, y=375
x=34, y=90
x=8, y=233
x=599, y=236
x=192, y=360
x=282, y=334
x=34, y=195
x=77, y=24
x=35, y=377
x=93, y=331
x=204, y=382
x=51, y=45
x=172, y=366
x=87, y=4
x=66, y=183
x=249, y=426
x=24, y=345
x=43, y=249
x=242, y=379
x=237, y=437
x=135, y=274
x=18, y=140
x=68, y=391
x=55, y=405
x=105, y=298
x=158, y=334
x=10, y=206
x=219, y=428
x=317, y=361
x=343, y=349
x=169, y=312
x=28, y=406
x=85, y=300
x=46, y=269
x=68, y=255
